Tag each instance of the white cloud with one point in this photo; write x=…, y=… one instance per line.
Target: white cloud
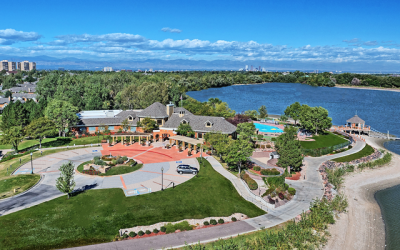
x=11, y=36
x=112, y=37
x=167, y=29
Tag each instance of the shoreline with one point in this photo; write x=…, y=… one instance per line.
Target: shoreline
x=367, y=88
x=362, y=226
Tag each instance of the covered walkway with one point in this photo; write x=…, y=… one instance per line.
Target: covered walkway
x=186, y=142
x=128, y=137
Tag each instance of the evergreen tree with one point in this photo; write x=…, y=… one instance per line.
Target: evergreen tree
x=263, y=112
x=65, y=183
x=40, y=128
x=289, y=150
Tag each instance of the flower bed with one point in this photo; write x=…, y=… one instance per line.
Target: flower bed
x=250, y=182
x=174, y=227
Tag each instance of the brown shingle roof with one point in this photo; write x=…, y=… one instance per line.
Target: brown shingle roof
x=356, y=119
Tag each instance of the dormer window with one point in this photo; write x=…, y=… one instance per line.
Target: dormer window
x=184, y=122
x=130, y=118
x=181, y=113
x=208, y=124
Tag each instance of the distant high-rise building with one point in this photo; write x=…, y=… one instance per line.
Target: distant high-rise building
x=251, y=69
x=61, y=69
x=26, y=66
x=108, y=69
x=259, y=68
x=8, y=66
x=247, y=67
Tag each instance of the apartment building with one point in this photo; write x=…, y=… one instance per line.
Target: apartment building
x=26, y=66
x=8, y=66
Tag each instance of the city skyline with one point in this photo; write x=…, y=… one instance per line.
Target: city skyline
x=299, y=39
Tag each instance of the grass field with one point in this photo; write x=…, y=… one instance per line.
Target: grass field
x=115, y=170
x=323, y=140
x=86, y=140
x=19, y=182
x=27, y=143
x=367, y=150
x=95, y=216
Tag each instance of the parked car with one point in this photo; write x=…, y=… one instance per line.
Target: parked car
x=186, y=169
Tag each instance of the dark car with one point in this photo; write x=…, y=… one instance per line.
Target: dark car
x=186, y=169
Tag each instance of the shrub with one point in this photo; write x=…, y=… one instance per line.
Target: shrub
x=206, y=223
x=270, y=172
x=148, y=232
x=250, y=182
x=96, y=158
x=268, y=146
x=256, y=168
x=124, y=158
x=213, y=222
x=286, y=186
x=276, y=181
x=221, y=221
x=281, y=196
x=259, y=137
x=292, y=191
x=233, y=219
x=132, y=234
x=183, y=226
x=268, y=191
x=99, y=162
x=155, y=231
x=124, y=236
x=163, y=229
x=141, y=233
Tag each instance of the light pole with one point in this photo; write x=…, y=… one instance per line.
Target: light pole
x=31, y=165
x=162, y=179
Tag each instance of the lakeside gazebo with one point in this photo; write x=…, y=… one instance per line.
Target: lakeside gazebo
x=355, y=122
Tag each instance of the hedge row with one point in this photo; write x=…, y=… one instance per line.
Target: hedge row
x=250, y=182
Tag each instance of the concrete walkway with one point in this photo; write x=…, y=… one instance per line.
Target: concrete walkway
x=307, y=190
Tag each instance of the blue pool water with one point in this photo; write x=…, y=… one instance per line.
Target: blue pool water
x=267, y=128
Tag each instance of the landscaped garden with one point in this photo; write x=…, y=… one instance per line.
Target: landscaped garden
x=324, y=140
x=95, y=216
x=367, y=150
x=109, y=165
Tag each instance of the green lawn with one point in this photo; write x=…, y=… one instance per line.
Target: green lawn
x=86, y=140
x=323, y=140
x=95, y=216
x=27, y=143
x=19, y=182
x=367, y=150
x=115, y=170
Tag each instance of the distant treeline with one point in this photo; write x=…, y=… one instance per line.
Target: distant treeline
x=94, y=90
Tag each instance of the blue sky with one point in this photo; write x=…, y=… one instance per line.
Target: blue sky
x=299, y=32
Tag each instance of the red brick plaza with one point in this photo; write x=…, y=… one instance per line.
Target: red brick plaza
x=147, y=154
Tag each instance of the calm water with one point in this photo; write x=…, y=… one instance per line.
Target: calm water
x=389, y=201
x=379, y=109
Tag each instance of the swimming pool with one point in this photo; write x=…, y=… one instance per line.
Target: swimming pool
x=267, y=128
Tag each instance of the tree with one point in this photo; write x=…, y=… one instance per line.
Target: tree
x=125, y=125
x=13, y=136
x=263, y=112
x=8, y=94
x=283, y=118
x=63, y=114
x=246, y=130
x=65, y=183
x=147, y=124
x=14, y=114
x=40, y=128
x=218, y=141
x=289, y=150
x=315, y=119
x=294, y=111
x=238, y=152
x=253, y=114
x=185, y=130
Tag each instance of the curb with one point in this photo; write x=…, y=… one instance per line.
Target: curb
x=29, y=189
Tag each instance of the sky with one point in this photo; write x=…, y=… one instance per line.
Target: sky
x=336, y=34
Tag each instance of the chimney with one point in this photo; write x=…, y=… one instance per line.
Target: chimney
x=170, y=109
x=9, y=98
x=29, y=90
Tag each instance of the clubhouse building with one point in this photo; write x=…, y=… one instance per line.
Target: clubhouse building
x=167, y=117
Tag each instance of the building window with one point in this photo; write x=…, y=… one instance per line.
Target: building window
x=199, y=135
x=92, y=129
x=184, y=122
x=133, y=129
x=159, y=121
x=208, y=124
x=111, y=128
x=130, y=118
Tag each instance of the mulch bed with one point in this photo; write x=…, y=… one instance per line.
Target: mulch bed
x=294, y=177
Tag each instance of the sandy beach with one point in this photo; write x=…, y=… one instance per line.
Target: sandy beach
x=368, y=88
x=362, y=227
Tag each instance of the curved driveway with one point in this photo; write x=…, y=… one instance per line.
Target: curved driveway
x=147, y=178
